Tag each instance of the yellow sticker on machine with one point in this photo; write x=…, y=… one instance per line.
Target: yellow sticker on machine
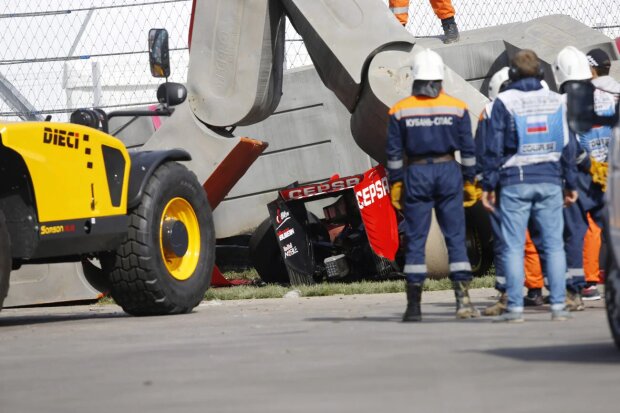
x=55, y=229
x=67, y=168
x=60, y=137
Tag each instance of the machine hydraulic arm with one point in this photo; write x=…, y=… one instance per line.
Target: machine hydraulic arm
x=360, y=51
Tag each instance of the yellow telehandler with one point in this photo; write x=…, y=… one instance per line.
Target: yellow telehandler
x=70, y=192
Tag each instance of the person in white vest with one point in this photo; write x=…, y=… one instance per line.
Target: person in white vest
x=530, y=159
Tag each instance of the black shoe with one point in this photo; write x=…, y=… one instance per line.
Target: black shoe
x=450, y=30
x=536, y=301
x=414, y=298
x=590, y=293
x=533, y=298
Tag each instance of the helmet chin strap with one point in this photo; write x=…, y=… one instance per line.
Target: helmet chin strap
x=430, y=88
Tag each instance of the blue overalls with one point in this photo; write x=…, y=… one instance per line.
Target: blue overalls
x=593, y=144
x=482, y=132
x=428, y=131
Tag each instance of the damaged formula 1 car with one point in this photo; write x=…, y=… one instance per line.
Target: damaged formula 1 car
x=359, y=236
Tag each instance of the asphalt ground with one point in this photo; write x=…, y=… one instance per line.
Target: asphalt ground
x=323, y=354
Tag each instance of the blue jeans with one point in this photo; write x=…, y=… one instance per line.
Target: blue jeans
x=498, y=246
x=544, y=202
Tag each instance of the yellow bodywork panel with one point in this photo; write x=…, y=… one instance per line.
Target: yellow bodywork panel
x=66, y=166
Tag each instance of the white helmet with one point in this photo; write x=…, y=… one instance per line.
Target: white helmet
x=497, y=80
x=571, y=64
x=427, y=65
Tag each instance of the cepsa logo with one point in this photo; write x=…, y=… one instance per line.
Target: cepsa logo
x=56, y=229
x=330, y=186
x=372, y=193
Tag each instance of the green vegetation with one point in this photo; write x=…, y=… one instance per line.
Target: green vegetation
x=362, y=287
x=249, y=274
x=244, y=292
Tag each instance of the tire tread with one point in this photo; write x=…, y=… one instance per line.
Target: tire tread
x=136, y=285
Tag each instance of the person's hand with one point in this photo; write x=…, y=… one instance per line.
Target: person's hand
x=570, y=197
x=472, y=193
x=396, y=190
x=488, y=200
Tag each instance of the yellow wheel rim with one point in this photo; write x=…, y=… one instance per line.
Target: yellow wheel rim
x=181, y=268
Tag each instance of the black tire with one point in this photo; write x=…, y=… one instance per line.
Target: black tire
x=5, y=259
x=142, y=280
x=612, y=296
x=265, y=255
x=96, y=276
x=298, y=278
x=479, y=239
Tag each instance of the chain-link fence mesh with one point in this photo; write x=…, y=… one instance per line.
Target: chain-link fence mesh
x=474, y=14
x=60, y=55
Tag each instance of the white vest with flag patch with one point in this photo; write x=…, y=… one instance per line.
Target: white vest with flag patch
x=540, y=124
x=596, y=141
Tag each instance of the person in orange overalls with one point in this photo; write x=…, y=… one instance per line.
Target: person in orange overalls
x=533, y=270
x=534, y=281
x=443, y=10
x=591, y=266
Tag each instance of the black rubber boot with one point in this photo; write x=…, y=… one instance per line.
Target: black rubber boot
x=450, y=30
x=414, y=297
x=464, y=307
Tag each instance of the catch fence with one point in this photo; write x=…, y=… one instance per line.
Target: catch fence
x=60, y=55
